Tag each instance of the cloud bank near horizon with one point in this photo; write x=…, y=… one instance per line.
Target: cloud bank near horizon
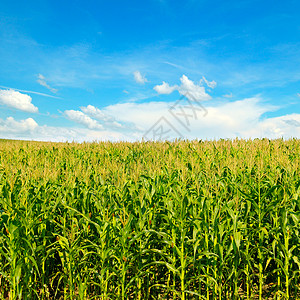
x=129, y=121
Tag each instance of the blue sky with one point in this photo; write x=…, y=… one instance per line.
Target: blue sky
x=158, y=69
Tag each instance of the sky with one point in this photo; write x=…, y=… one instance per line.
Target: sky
x=149, y=70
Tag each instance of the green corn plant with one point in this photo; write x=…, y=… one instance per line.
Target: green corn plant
x=150, y=220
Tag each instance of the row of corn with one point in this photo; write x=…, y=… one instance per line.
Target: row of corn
x=181, y=220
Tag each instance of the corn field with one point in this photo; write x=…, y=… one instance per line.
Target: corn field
x=150, y=220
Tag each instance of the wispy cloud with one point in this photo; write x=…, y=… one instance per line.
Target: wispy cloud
x=228, y=95
x=30, y=92
x=211, y=84
x=81, y=66
x=139, y=78
x=42, y=81
x=173, y=65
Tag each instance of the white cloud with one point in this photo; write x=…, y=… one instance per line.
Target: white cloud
x=62, y=134
x=164, y=88
x=30, y=92
x=142, y=115
x=10, y=125
x=139, y=78
x=210, y=84
x=94, y=118
x=286, y=126
x=42, y=81
x=228, y=95
x=17, y=100
x=96, y=113
x=298, y=94
x=292, y=122
x=99, y=115
x=243, y=118
x=81, y=118
x=29, y=130
x=188, y=88
x=191, y=90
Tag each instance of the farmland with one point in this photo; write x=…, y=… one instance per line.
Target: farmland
x=150, y=220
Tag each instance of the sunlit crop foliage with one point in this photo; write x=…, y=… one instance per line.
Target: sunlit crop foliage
x=180, y=220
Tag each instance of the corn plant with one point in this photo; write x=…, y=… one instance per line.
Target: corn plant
x=150, y=220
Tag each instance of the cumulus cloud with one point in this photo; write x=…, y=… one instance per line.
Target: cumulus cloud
x=63, y=134
x=17, y=100
x=29, y=130
x=187, y=88
x=99, y=115
x=10, y=125
x=139, y=78
x=96, y=113
x=165, y=88
x=42, y=81
x=81, y=118
x=94, y=118
x=192, y=91
x=243, y=118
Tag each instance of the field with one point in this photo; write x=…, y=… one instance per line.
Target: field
x=180, y=220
